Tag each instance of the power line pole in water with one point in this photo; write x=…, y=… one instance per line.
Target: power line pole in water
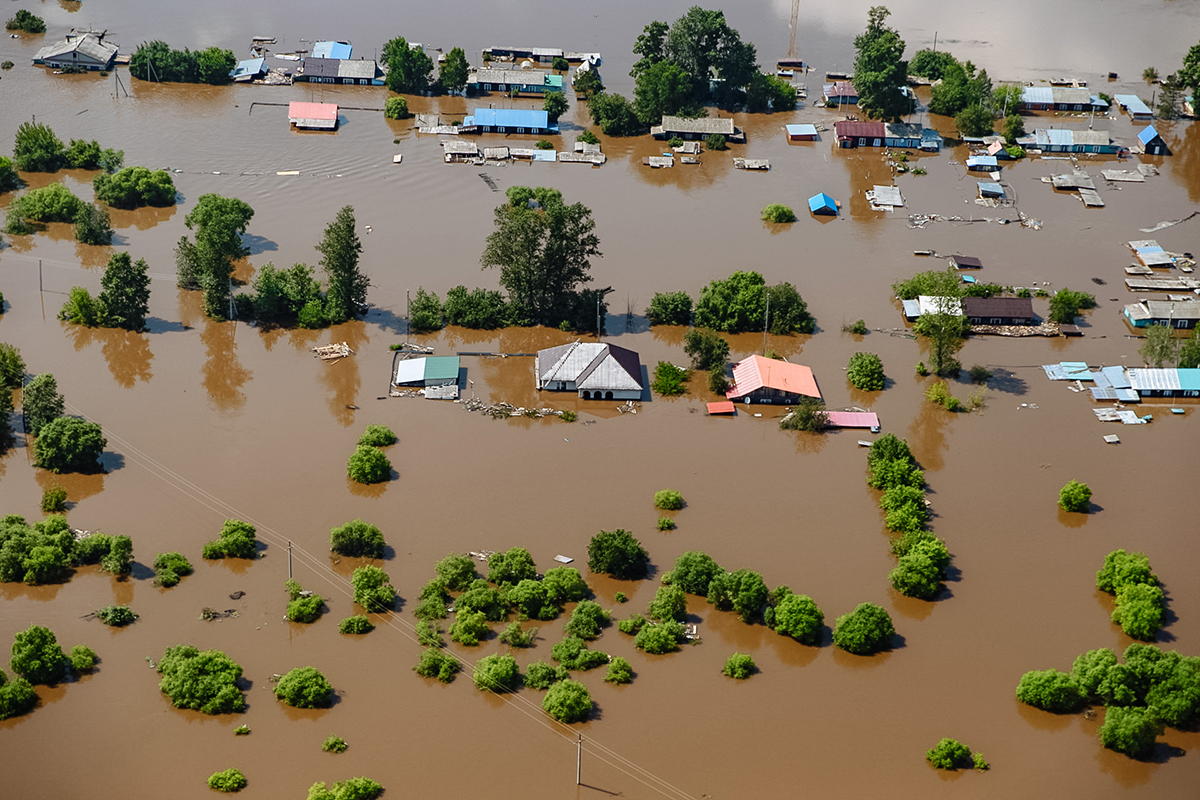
x=579, y=759
x=289, y=559
x=766, y=323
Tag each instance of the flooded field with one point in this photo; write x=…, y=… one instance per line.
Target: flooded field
x=207, y=421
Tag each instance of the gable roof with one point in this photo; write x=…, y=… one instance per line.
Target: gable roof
x=89, y=44
x=332, y=50
x=591, y=365
x=247, y=69
x=998, y=307
x=300, y=110
x=705, y=125
x=1148, y=134
x=865, y=130
x=756, y=372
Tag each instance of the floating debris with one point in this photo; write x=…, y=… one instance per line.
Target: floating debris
x=333, y=352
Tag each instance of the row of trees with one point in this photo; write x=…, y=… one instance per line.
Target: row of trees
x=37, y=658
x=158, y=61
x=1177, y=84
x=38, y=149
x=410, y=69
x=47, y=551
x=736, y=304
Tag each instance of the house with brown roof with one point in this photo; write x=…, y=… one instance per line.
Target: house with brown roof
x=999, y=310
x=853, y=133
x=597, y=371
x=699, y=128
x=757, y=379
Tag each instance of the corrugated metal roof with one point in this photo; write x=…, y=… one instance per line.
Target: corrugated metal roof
x=721, y=407
x=990, y=189
x=803, y=129
x=982, y=161
x=441, y=368
x=1132, y=103
x=246, y=68
x=512, y=118
x=1163, y=309
x=1116, y=377
x=1060, y=137
x=822, y=204
x=902, y=130
x=1069, y=96
x=1147, y=134
x=89, y=44
x=410, y=370
x=522, y=77
x=1155, y=379
x=1189, y=379
x=940, y=305
x=317, y=111
x=591, y=365
x=704, y=125
x=755, y=372
x=853, y=419
x=1031, y=95
x=859, y=130
x=912, y=308
x=331, y=50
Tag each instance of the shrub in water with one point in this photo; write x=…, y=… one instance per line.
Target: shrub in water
x=668, y=500
x=334, y=744
x=83, y=658
x=169, y=568
x=496, y=673
x=357, y=624
x=739, y=665
x=357, y=539
x=229, y=780
x=777, y=212
x=619, y=671
x=1050, y=690
x=865, y=372
x=368, y=465
x=1075, y=496
x=618, y=554
x=202, y=681
x=237, y=540
x=304, y=687
x=568, y=701
x=437, y=664
x=377, y=436
x=949, y=754
x=116, y=616
x=866, y=630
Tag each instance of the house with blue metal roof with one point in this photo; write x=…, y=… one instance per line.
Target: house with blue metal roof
x=331, y=50
x=1134, y=106
x=247, y=71
x=511, y=120
x=983, y=163
x=1066, y=140
x=1152, y=143
x=1167, y=382
x=822, y=204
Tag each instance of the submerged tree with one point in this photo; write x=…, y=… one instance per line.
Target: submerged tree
x=346, y=297
x=408, y=68
x=207, y=263
x=880, y=71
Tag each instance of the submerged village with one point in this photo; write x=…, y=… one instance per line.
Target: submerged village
x=829, y=386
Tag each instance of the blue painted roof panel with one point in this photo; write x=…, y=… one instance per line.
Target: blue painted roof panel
x=512, y=118
x=1147, y=134
x=332, y=50
x=822, y=202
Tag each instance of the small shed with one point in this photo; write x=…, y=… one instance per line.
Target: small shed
x=991, y=189
x=427, y=371
x=721, y=408
x=966, y=262
x=983, y=163
x=912, y=309
x=822, y=204
x=1152, y=142
x=803, y=132
x=313, y=116
x=250, y=70
x=854, y=419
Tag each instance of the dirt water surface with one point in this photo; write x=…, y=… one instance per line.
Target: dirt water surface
x=207, y=421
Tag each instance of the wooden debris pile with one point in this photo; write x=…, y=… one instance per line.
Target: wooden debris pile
x=506, y=410
x=333, y=352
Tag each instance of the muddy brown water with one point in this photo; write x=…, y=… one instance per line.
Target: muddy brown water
x=209, y=420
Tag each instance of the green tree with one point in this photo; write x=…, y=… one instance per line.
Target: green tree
x=777, y=212
x=425, y=312
x=796, y=615
x=866, y=630
x=369, y=465
x=615, y=115
x=768, y=94
x=41, y=403
x=669, y=603
x=378, y=436
x=650, y=45
x=587, y=82
x=17, y=697
x=119, y=558
x=357, y=624
x=669, y=379
x=587, y=620
x=740, y=666
x=555, y=105
x=408, y=68
x=568, y=701
x=619, y=671
x=236, y=540
x=1189, y=75
x=54, y=499
x=134, y=187
x=26, y=21
x=1139, y=611
x=68, y=444
x=469, y=628
x=350, y=789
x=1075, y=496
x=478, y=308
x=743, y=591
x=214, y=65
x=880, y=72
x=1091, y=671
x=227, y=780
x=37, y=656
x=694, y=572
x=1050, y=690
x=395, y=108
x=1014, y=128
x=202, y=681
x=564, y=585
x=706, y=348
x=1131, y=731
x=618, y=554
x=53, y=203
x=1066, y=304
x=739, y=303
x=285, y=297
x=497, y=673
x=9, y=179
x=306, y=610
x=512, y=567
x=865, y=372
x=1123, y=569
x=373, y=588
x=170, y=567
x=1160, y=347
x=930, y=64
x=304, y=687
x=661, y=89
x=1171, y=98
x=573, y=653
x=346, y=298
x=963, y=88
x=807, y=415
x=437, y=664
x=457, y=571
x=125, y=293
x=1189, y=352
x=670, y=308
x=975, y=120
x=207, y=264
x=668, y=500
x=454, y=70
x=920, y=572
x=949, y=754
x=702, y=44
x=92, y=225
x=12, y=367
x=540, y=675
x=357, y=539
x=659, y=638
x=37, y=149
x=543, y=248
x=82, y=154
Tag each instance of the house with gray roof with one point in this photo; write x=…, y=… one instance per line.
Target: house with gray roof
x=344, y=71
x=78, y=51
x=597, y=371
x=699, y=128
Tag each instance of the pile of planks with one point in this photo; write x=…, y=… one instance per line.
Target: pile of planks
x=333, y=352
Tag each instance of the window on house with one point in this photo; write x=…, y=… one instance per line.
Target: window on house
x=997, y=321
x=862, y=141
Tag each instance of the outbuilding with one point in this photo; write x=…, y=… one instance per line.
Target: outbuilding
x=969, y=262
x=595, y=370
x=803, y=132
x=1134, y=106
x=823, y=204
x=1152, y=143
x=758, y=379
x=427, y=371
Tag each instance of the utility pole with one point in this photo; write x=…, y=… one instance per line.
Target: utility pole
x=39, y=276
x=407, y=311
x=597, y=319
x=579, y=759
x=289, y=559
x=766, y=323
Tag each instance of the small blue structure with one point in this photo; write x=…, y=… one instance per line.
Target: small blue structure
x=1152, y=142
x=822, y=204
x=331, y=50
x=510, y=120
x=984, y=163
x=247, y=71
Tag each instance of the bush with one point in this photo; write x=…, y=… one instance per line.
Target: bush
x=888, y=474
x=119, y=558
x=134, y=187
x=68, y=444
x=1123, y=569
x=666, y=524
x=796, y=615
x=564, y=585
x=917, y=574
x=632, y=625
x=693, y=572
x=469, y=628
x=808, y=415
x=1131, y=731
x=618, y=554
x=1139, y=611
x=669, y=603
x=37, y=656
x=980, y=374
x=865, y=372
x=54, y=500
x=1050, y=690
x=377, y=436
x=237, y=540
x=83, y=658
x=544, y=144
x=743, y=591
x=715, y=141
x=478, y=308
x=93, y=225
x=717, y=382
x=457, y=571
x=1075, y=496
x=619, y=671
x=26, y=21
x=512, y=567
x=739, y=303
x=357, y=624
x=17, y=697
x=572, y=653
x=116, y=616
x=739, y=665
x=429, y=634
x=670, y=308
x=229, y=780
x=866, y=630
x=12, y=367
x=777, y=212
x=669, y=379
x=369, y=465
x=587, y=137
x=620, y=597
x=351, y=789
x=304, y=687
x=497, y=673
x=305, y=609
x=169, y=568
x=37, y=149
x=859, y=327
x=668, y=500
x=53, y=203
x=433, y=601
x=395, y=108
x=425, y=312
x=357, y=539
x=587, y=620
x=614, y=114
x=540, y=675
x=373, y=589
x=202, y=681
x=949, y=754
x=659, y=638
x=568, y=701
x=437, y=664
x=938, y=393
x=706, y=348
x=516, y=636
x=334, y=744
x=1066, y=304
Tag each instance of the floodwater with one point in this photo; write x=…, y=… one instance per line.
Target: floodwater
x=207, y=421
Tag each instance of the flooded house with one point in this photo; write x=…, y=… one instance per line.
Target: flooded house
x=510, y=120
x=999, y=310
x=802, y=132
x=514, y=81
x=342, y=71
x=983, y=163
x=595, y=370
x=839, y=93
x=331, y=49
x=538, y=55
x=1166, y=382
x=1134, y=106
x=1061, y=98
x=250, y=70
x=1152, y=142
x=902, y=134
x=758, y=379
x=427, y=371
x=852, y=133
x=86, y=51
x=672, y=127
x=313, y=116
x=1066, y=140
x=1168, y=313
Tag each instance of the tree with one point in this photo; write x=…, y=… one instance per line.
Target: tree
x=395, y=108
x=12, y=367
x=37, y=656
x=568, y=701
x=618, y=554
x=202, y=681
x=368, y=465
x=512, y=567
x=214, y=65
x=669, y=603
x=378, y=436
x=564, y=585
x=207, y=264
x=661, y=89
x=346, y=297
x=227, y=780
x=25, y=21
x=373, y=588
x=668, y=500
x=304, y=687
x=41, y=403
x=962, y=88
x=555, y=105
x=351, y=789
x=304, y=609
x=975, y=120
x=670, y=308
x=619, y=671
x=236, y=540
x=807, y=415
x=425, y=312
x=408, y=68
x=435, y=663
x=457, y=571
x=357, y=539
x=768, y=94
x=694, y=572
x=1066, y=304
x=703, y=45
x=1189, y=353
x=1075, y=496
x=37, y=149
x=469, y=628
x=1091, y=670
x=866, y=630
x=573, y=653
x=743, y=591
x=134, y=187
x=1171, y=98
x=17, y=697
x=1014, y=128
x=479, y=308
x=286, y=297
x=497, y=673
x=949, y=754
x=796, y=615
x=1131, y=731
x=650, y=46
x=1050, y=690
x=357, y=624
x=1123, y=569
x=918, y=573
x=540, y=675
x=880, y=71
x=865, y=372
x=1189, y=74
x=119, y=558
x=1139, y=611
x=544, y=249
x=739, y=303
x=68, y=444
x=930, y=64
x=454, y=70
x=53, y=203
x=615, y=115
x=125, y=293
x=170, y=567
x=1160, y=347
x=659, y=638
x=587, y=82
x=740, y=666
x=943, y=326
x=779, y=213
x=669, y=379
x=9, y=179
